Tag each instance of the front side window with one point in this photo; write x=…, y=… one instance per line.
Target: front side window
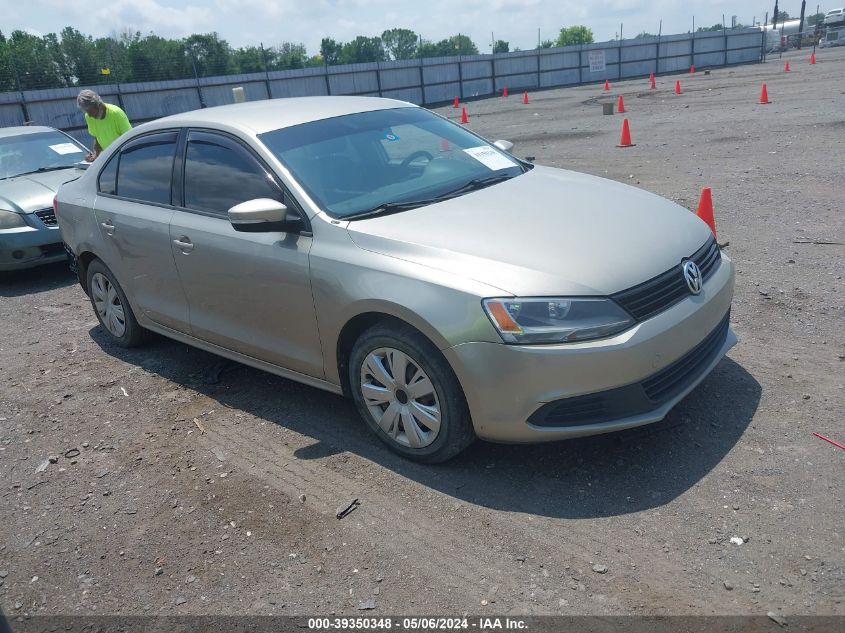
x=220, y=174
x=145, y=168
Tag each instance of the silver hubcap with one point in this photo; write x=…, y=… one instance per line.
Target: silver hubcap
x=400, y=397
x=107, y=304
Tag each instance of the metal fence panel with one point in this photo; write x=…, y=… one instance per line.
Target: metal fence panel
x=222, y=95
x=351, y=83
x=476, y=70
x=442, y=92
x=151, y=105
x=743, y=40
x=637, y=69
x=638, y=53
x=11, y=115
x=567, y=58
x=478, y=87
x=559, y=78
x=515, y=65
x=299, y=87
x=710, y=44
x=395, y=78
x=518, y=82
x=412, y=95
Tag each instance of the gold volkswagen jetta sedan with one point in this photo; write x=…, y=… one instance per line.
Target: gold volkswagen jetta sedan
x=372, y=248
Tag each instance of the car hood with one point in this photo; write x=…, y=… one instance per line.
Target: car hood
x=546, y=232
x=31, y=192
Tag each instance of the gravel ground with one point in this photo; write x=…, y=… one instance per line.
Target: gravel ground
x=139, y=482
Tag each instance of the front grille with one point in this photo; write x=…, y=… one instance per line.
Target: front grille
x=637, y=398
x=665, y=290
x=671, y=380
x=47, y=216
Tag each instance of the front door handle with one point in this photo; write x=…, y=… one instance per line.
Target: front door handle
x=108, y=227
x=184, y=244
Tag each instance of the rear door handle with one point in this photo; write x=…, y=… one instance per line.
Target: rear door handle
x=108, y=227
x=184, y=244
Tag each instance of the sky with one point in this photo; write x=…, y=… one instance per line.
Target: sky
x=271, y=22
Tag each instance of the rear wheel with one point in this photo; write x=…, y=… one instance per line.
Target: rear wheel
x=112, y=308
x=408, y=395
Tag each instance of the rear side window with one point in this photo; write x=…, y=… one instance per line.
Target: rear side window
x=220, y=173
x=107, y=182
x=145, y=168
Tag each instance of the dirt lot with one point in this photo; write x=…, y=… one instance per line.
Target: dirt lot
x=173, y=494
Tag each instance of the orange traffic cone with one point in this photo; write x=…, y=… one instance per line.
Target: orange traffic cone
x=455, y=105
x=464, y=118
x=813, y=57
x=620, y=104
x=652, y=85
x=677, y=87
x=764, y=95
x=525, y=97
x=625, y=139
x=606, y=85
x=691, y=69
x=444, y=145
x=705, y=209
x=505, y=91
x=786, y=67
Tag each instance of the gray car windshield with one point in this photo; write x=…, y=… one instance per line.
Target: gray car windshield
x=387, y=161
x=39, y=151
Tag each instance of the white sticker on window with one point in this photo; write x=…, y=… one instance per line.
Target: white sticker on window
x=66, y=148
x=490, y=157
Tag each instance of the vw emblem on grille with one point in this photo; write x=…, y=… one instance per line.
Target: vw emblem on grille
x=692, y=275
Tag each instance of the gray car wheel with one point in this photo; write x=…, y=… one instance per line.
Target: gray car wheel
x=111, y=307
x=408, y=395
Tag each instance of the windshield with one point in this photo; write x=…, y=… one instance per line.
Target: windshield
x=387, y=160
x=40, y=151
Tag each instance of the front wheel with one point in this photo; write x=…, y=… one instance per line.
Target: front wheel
x=408, y=395
x=112, y=308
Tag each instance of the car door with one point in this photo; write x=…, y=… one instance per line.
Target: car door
x=133, y=210
x=248, y=292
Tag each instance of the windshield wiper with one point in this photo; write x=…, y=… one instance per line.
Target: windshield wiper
x=396, y=207
x=41, y=170
x=390, y=207
x=474, y=185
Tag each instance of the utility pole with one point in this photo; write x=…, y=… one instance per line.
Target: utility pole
x=801, y=24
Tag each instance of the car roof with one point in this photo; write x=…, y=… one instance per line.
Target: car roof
x=6, y=132
x=271, y=114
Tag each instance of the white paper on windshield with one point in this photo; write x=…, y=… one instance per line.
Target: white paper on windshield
x=66, y=148
x=490, y=157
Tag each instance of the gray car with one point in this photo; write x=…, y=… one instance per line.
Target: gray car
x=372, y=248
x=34, y=162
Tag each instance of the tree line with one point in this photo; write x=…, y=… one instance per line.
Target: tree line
x=71, y=58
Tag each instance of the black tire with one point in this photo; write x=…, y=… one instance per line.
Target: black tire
x=456, y=431
x=133, y=334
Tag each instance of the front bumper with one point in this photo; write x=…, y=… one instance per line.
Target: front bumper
x=29, y=247
x=549, y=392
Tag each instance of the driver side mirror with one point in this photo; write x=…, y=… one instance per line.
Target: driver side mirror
x=505, y=146
x=264, y=215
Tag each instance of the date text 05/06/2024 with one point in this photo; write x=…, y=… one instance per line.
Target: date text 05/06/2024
x=417, y=624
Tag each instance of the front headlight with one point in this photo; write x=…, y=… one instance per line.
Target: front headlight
x=11, y=220
x=556, y=320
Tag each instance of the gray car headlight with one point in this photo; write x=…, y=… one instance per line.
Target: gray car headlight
x=11, y=220
x=556, y=320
